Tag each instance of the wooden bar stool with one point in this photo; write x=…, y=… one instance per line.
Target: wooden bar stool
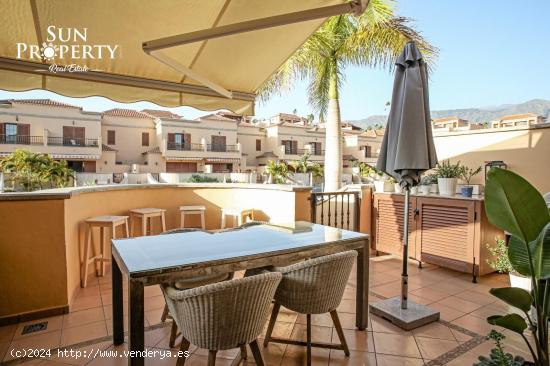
x=146, y=215
x=102, y=222
x=192, y=210
x=239, y=215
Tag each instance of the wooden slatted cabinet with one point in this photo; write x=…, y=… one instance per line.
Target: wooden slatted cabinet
x=450, y=232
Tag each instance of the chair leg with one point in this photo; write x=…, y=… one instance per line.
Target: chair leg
x=308, y=326
x=164, y=314
x=256, y=353
x=183, y=348
x=340, y=331
x=243, y=352
x=274, y=313
x=212, y=357
x=173, y=334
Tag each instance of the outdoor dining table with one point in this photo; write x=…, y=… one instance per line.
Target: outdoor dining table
x=153, y=260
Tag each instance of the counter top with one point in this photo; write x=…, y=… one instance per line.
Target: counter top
x=474, y=197
x=64, y=193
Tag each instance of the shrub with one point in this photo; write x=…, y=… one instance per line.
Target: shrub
x=197, y=178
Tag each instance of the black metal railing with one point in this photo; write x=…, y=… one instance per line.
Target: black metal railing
x=318, y=152
x=337, y=209
x=184, y=147
x=72, y=141
x=222, y=148
x=21, y=140
x=290, y=151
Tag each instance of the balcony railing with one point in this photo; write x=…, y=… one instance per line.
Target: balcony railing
x=222, y=148
x=21, y=140
x=318, y=152
x=72, y=141
x=184, y=147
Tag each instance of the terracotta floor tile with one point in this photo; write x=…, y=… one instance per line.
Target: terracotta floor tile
x=459, y=336
x=324, y=320
x=474, y=324
x=346, y=306
x=54, y=324
x=87, y=302
x=272, y=354
x=201, y=360
x=7, y=332
x=152, y=317
x=460, y=304
x=281, y=329
x=319, y=334
x=4, y=346
x=296, y=356
x=229, y=354
x=388, y=360
x=430, y=294
x=356, y=358
x=396, y=345
x=446, y=313
x=78, y=361
x=155, y=302
x=83, y=317
x=419, y=300
x=434, y=330
x=46, y=341
x=83, y=333
x=382, y=325
x=431, y=348
x=357, y=341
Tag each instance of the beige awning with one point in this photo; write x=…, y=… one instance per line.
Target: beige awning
x=109, y=38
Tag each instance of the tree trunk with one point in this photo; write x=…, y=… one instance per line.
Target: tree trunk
x=333, y=143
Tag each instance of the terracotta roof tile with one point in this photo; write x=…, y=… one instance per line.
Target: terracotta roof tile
x=517, y=116
x=120, y=112
x=44, y=102
x=161, y=114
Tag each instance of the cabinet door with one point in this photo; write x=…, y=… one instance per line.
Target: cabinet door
x=445, y=232
x=389, y=211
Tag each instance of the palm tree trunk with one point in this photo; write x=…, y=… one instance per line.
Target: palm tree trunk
x=333, y=143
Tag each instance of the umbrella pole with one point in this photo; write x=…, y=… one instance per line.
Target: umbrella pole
x=404, y=275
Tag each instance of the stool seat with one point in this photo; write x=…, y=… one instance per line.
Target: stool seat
x=147, y=211
x=109, y=222
x=192, y=208
x=239, y=215
x=106, y=219
x=146, y=215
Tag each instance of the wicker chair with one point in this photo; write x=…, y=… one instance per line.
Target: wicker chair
x=224, y=315
x=187, y=283
x=315, y=286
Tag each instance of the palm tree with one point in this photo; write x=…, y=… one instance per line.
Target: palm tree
x=278, y=171
x=301, y=165
x=373, y=39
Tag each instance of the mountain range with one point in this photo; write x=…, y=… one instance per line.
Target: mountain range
x=474, y=115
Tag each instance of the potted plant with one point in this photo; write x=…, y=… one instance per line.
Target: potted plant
x=425, y=185
x=447, y=176
x=498, y=357
x=396, y=186
x=515, y=206
x=501, y=264
x=467, y=174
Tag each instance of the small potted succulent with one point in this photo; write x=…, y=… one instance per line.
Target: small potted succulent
x=447, y=177
x=425, y=185
x=501, y=264
x=467, y=174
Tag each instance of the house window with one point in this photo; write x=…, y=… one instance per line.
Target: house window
x=145, y=139
x=110, y=137
x=291, y=147
x=368, y=151
x=258, y=145
x=11, y=133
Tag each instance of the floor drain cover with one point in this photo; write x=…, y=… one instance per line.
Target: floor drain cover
x=36, y=327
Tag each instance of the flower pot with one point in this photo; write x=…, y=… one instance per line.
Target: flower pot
x=447, y=186
x=434, y=188
x=383, y=186
x=467, y=191
x=424, y=189
x=520, y=281
x=397, y=188
x=414, y=190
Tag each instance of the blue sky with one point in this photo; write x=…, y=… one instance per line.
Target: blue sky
x=491, y=52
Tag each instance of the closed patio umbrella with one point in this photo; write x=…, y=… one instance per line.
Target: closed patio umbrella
x=408, y=148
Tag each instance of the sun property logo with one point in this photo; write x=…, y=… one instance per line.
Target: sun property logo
x=63, y=44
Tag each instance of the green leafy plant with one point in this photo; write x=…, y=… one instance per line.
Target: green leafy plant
x=501, y=262
x=469, y=173
x=196, y=178
x=278, y=171
x=301, y=165
x=34, y=171
x=515, y=206
x=428, y=179
x=445, y=169
x=498, y=357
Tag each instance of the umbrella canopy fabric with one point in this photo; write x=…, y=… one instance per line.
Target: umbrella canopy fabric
x=407, y=148
x=106, y=36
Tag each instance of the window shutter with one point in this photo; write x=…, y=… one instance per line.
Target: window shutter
x=110, y=137
x=171, y=138
x=145, y=139
x=258, y=145
x=23, y=133
x=187, y=141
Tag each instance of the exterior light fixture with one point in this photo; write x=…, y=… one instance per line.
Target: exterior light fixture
x=494, y=164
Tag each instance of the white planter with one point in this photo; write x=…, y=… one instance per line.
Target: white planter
x=397, y=188
x=447, y=186
x=520, y=281
x=478, y=188
x=434, y=188
x=414, y=190
x=383, y=186
x=424, y=189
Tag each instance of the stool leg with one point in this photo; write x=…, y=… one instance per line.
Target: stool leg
x=163, y=221
x=101, y=268
x=182, y=219
x=256, y=353
x=144, y=225
x=340, y=331
x=203, y=223
x=84, y=268
x=274, y=313
x=308, y=326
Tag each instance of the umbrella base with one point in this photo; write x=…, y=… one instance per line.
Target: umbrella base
x=416, y=315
